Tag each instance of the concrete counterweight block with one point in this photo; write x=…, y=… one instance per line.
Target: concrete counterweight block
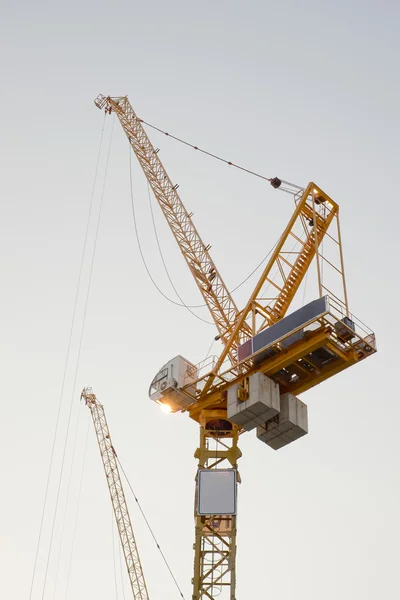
x=289, y=425
x=262, y=404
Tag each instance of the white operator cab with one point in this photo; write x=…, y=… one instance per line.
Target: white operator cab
x=166, y=387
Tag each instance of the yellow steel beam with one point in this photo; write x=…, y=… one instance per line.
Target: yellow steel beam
x=311, y=200
x=209, y=281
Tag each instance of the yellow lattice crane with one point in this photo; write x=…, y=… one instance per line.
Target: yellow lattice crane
x=268, y=357
x=117, y=495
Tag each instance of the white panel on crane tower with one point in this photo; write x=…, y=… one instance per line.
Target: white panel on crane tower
x=216, y=492
x=262, y=404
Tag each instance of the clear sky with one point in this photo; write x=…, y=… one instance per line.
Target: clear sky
x=302, y=90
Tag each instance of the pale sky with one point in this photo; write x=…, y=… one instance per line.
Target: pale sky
x=302, y=90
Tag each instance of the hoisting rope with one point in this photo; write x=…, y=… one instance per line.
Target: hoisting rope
x=113, y=551
x=66, y=505
x=182, y=303
x=142, y=254
x=56, y=428
x=77, y=507
x=163, y=260
x=76, y=369
x=150, y=529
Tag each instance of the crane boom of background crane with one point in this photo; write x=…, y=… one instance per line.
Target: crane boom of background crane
x=120, y=507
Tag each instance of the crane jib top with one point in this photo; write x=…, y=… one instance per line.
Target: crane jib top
x=209, y=281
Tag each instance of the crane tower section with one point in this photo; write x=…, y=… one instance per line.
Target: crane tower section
x=270, y=354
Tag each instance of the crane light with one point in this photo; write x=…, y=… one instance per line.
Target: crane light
x=165, y=408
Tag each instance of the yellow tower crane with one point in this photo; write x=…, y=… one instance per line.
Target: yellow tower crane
x=120, y=507
x=268, y=357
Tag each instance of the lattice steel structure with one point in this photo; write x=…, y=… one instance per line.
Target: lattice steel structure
x=121, y=513
x=215, y=538
x=209, y=281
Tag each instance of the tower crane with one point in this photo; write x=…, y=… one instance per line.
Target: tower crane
x=120, y=508
x=268, y=356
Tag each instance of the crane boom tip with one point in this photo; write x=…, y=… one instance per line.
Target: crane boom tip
x=100, y=101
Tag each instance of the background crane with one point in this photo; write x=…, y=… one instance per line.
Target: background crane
x=120, y=507
x=267, y=357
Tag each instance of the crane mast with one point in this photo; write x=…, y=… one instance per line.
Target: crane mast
x=215, y=535
x=120, y=508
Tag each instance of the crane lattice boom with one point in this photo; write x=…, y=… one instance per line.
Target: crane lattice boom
x=209, y=281
x=121, y=513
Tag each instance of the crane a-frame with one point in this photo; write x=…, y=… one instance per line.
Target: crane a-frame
x=268, y=358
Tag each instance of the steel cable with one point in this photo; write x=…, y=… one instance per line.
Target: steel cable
x=76, y=370
x=182, y=303
x=77, y=508
x=113, y=549
x=163, y=260
x=66, y=365
x=150, y=529
x=142, y=254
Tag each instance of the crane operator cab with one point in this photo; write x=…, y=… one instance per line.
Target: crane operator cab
x=293, y=355
x=166, y=387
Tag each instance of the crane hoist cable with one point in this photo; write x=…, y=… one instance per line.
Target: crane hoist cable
x=74, y=528
x=143, y=257
x=74, y=311
x=161, y=253
x=66, y=506
x=150, y=529
x=64, y=452
x=184, y=304
x=113, y=552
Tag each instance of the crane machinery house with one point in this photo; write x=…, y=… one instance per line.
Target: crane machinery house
x=167, y=387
